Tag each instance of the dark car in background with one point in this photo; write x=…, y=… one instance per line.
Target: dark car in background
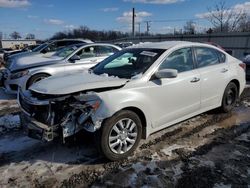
x=46, y=48
x=29, y=48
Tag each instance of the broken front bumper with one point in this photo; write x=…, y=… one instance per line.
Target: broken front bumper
x=37, y=130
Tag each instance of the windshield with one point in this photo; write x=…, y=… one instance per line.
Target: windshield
x=128, y=63
x=66, y=51
x=40, y=47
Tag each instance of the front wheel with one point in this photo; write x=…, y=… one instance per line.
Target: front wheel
x=36, y=78
x=230, y=97
x=120, y=135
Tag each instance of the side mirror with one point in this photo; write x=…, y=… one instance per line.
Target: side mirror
x=74, y=58
x=166, y=73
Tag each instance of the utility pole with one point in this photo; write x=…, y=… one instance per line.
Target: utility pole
x=133, y=22
x=147, y=26
x=139, y=28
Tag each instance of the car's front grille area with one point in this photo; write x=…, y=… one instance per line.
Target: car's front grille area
x=39, y=112
x=14, y=87
x=26, y=106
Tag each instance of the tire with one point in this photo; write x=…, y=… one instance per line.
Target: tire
x=230, y=97
x=36, y=78
x=112, y=139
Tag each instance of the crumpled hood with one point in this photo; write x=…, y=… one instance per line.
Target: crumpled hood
x=71, y=83
x=32, y=60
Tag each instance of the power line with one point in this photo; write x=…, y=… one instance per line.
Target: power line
x=175, y=20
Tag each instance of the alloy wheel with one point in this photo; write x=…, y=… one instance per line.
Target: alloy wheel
x=123, y=136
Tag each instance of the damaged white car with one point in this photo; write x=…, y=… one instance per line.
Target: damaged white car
x=134, y=93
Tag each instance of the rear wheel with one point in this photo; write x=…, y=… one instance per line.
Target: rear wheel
x=120, y=135
x=230, y=97
x=36, y=78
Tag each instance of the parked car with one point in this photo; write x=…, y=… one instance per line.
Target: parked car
x=69, y=59
x=4, y=50
x=48, y=48
x=134, y=93
x=247, y=62
x=12, y=52
x=124, y=44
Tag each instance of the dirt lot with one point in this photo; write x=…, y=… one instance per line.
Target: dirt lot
x=209, y=150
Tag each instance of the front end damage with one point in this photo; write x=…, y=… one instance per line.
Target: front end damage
x=48, y=116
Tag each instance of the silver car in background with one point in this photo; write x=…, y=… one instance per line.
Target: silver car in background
x=48, y=48
x=67, y=60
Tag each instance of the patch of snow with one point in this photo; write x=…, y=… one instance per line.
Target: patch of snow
x=132, y=179
x=177, y=169
x=10, y=144
x=10, y=121
x=221, y=185
x=169, y=150
x=138, y=167
x=238, y=153
x=152, y=165
x=8, y=106
x=246, y=103
x=244, y=137
x=207, y=163
x=4, y=96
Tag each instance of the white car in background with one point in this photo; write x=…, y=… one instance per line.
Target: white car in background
x=134, y=93
x=73, y=58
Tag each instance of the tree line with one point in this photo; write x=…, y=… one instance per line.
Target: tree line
x=222, y=18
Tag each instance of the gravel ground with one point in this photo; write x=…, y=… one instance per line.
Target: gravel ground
x=209, y=150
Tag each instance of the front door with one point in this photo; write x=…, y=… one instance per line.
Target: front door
x=177, y=97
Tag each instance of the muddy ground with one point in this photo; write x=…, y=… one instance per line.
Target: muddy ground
x=209, y=150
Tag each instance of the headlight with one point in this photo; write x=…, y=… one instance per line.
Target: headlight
x=19, y=74
x=94, y=104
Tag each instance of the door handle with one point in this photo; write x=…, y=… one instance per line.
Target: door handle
x=195, y=79
x=224, y=70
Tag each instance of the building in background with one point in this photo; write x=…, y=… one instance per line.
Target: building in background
x=16, y=44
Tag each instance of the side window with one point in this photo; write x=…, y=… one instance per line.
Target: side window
x=87, y=52
x=61, y=43
x=222, y=57
x=181, y=60
x=206, y=57
x=51, y=47
x=105, y=50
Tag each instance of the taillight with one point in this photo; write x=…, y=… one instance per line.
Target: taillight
x=243, y=65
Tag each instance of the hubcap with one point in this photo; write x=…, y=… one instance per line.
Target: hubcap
x=123, y=136
x=231, y=97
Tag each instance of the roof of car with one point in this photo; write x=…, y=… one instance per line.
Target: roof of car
x=165, y=44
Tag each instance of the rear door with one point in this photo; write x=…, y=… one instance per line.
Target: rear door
x=214, y=73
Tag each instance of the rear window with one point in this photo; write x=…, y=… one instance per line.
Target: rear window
x=222, y=57
x=206, y=57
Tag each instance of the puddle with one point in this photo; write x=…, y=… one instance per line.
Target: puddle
x=241, y=116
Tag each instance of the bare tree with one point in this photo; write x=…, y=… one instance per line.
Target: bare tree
x=15, y=35
x=30, y=36
x=224, y=19
x=189, y=28
x=244, y=25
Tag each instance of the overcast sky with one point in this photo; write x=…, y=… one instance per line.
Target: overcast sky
x=45, y=17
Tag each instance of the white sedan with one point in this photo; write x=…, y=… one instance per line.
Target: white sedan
x=134, y=93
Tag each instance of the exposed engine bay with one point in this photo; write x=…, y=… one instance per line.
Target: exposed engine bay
x=49, y=116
